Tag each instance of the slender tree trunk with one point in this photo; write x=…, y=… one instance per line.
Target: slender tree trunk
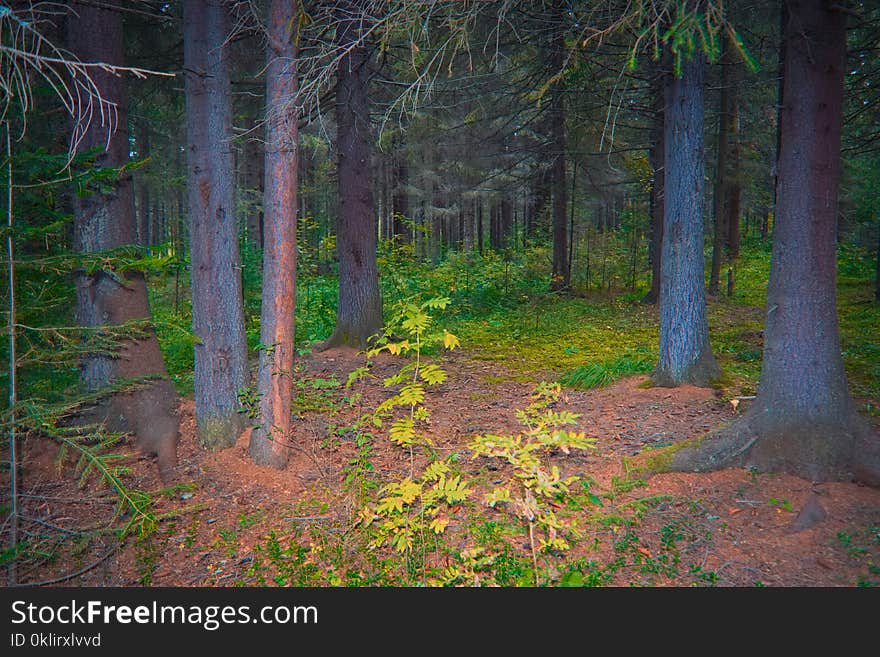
x=803, y=421
x=268, y=444
x=877, y=277
x=359, y=313
x=399, y=195
x=143, y=209
x=719, y=198
x=218, y=316
x=733, y=193
x=685, y=352
x=657, y=200
x=106, y=220
x=479, y=202
x=254, y=168
x=559, y=277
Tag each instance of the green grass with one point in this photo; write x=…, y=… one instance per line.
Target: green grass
x=504, y=315
x=602, y=373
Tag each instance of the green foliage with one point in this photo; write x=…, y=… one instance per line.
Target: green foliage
x=405, y=410
x=535, y=492
x=409, y=509
x=603, y=373
x=284, y=565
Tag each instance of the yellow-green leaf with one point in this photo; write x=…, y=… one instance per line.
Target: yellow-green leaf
x=450, y=341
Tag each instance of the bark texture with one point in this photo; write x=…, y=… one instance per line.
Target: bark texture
x=218, y=316
x=359, y=312
x=269, y=441
x=106, y=220
x=803, y=420
x=685, y=352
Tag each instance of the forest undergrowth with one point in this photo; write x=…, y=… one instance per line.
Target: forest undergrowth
x=454, y=453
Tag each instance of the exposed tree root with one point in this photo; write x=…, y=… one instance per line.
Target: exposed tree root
x=814, y=451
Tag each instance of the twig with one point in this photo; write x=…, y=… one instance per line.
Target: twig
x=79, y=572
x=39, y=521
x=306, y=518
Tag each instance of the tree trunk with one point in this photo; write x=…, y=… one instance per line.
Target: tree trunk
x=559, y=277
x=657, y=200
x=877, y=277
x=143, y=207
x=685, y=353
x=803, y=421
x=218, y=317
x=733, y=189
x=254, y=174
x=479, y=202
x=359, y=313
x=269, y=441
x=399, y=195
x=719, y=197
x=106, y=220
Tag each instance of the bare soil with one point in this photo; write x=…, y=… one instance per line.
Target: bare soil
x=728, y=528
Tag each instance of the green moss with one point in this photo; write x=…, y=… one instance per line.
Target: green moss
x=657, y=460
x=219, y=432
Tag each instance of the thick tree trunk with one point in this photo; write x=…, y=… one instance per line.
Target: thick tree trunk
x=269, y=441
x=803, y=421
x=657, y=200
x=359, y=313
x=685, y=353
x=218, y=317
x=106, y=220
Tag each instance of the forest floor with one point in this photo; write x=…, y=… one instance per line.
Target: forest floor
x=231, y=523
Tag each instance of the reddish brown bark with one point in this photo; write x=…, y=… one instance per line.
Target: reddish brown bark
x=106, y=220
x=218, y=316
x=269, y=441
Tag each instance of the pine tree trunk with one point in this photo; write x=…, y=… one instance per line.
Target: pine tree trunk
x=254, y=174
x=359, y=313
x=479, y=213
x=269, y=441
x=657, y=200
x=218, y=316
x=877, y=277
x=399, y=195
x=733, y=192
x=685, y=353
x=559, y=276
x=143, y=207
x=803, y=420
x=106, y=220
x=719, y=198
